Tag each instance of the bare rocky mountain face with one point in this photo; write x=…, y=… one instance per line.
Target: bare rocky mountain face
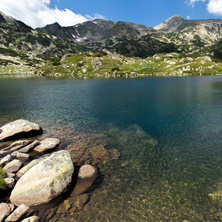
x=97, y=34
x=23, y=49
x=190, y=35
x=174, y=34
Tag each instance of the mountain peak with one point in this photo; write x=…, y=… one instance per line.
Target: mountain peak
x=55, y=25
x=5, y=18
x=171, y=24
x=176, y=17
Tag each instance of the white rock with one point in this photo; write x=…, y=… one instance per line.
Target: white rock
x=18, y=213
x=9, y=182
x=5, y=210
x=5, y=160
x=19, y=129
x=31, y=219
x=47, y=144
x=44, y=181
x=12, y=166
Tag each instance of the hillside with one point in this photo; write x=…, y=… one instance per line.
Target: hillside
x=23, y=49
x=109, y=64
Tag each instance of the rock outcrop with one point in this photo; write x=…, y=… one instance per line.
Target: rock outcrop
x=97, y=63
x=19, y=129
x=44, y=181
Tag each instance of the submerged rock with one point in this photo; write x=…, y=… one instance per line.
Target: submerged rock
x=86, y=177
x=47, y=144
x=19, y=129
x=44, y=181
x=81, y=200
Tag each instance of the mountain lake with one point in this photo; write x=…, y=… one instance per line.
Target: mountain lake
x=156, y=142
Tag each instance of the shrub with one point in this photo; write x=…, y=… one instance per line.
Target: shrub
x=115, y=69
x=2, y=182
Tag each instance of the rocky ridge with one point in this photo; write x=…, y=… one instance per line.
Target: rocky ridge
x=23, y=49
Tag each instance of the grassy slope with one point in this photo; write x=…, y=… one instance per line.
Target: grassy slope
x=160, y=64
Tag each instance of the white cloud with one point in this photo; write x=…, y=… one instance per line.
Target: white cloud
x=188, y=17
x=96, y=16
x=215, y=7
x=37, y=13
x=192, y=2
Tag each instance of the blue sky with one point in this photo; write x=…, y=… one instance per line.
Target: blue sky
x=147, y=12
x=38, y=13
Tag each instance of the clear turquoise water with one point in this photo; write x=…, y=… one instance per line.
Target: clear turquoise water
x=167, y=131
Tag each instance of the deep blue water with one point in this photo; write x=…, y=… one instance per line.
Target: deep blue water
x=166, y=182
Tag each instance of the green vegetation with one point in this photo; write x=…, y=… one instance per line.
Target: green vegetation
x=176, y=64
x=140, y=52
x=217, y=49
x=2, y=182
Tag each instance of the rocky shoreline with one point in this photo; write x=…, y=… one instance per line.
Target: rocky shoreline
x=35, y=176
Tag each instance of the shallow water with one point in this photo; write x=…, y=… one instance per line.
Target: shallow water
x=162, y=136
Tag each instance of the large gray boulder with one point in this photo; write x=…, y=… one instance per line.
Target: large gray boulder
x=19, y=129
x=27, y=167
x=44, y=181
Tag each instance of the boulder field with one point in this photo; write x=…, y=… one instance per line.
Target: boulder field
x=36, y=180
